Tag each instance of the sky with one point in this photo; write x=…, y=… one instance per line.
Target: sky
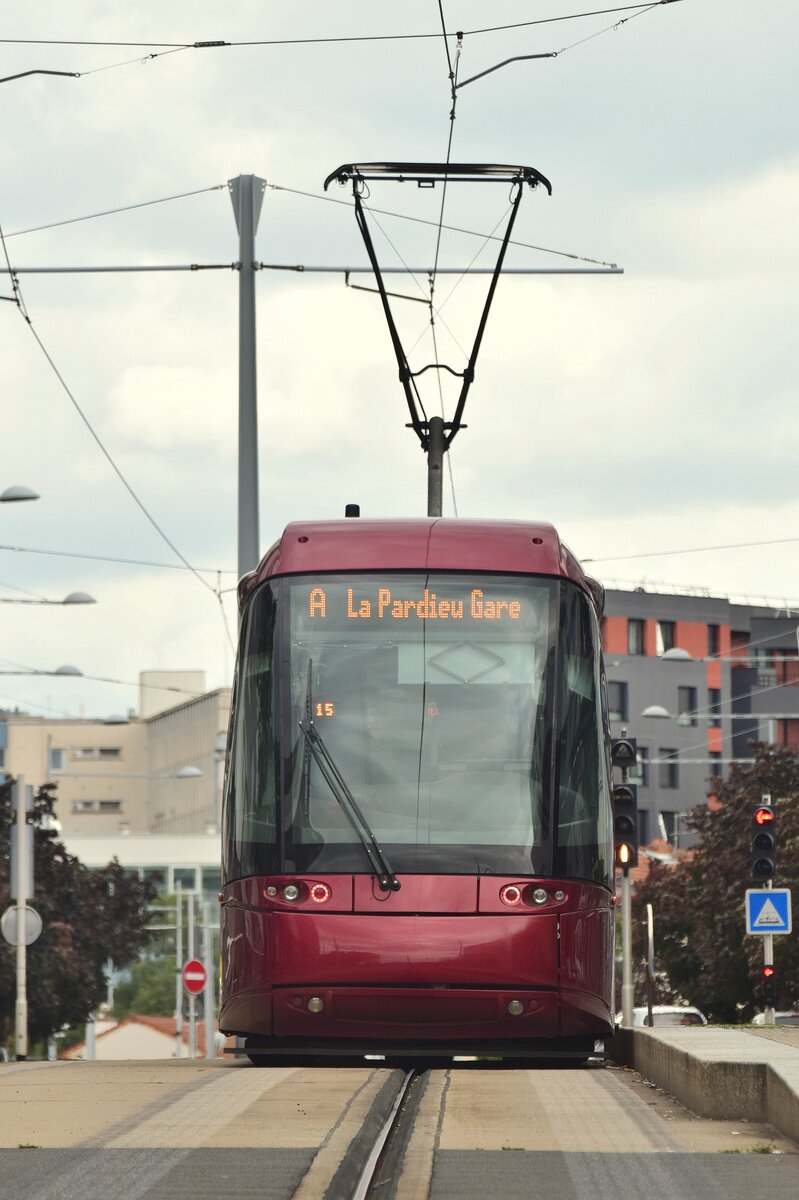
x=641, y=413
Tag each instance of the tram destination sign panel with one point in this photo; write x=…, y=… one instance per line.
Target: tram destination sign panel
x=397, y=604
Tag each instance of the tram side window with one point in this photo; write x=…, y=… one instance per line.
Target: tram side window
x=250, y=803
x=583, y=785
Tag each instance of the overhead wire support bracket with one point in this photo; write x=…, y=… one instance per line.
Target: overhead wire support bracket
x=426, y=175
x=22, y=74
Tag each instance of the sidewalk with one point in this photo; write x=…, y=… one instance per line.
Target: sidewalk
x=750, y=1073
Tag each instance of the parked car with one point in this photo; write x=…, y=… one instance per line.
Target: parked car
x=667, y=1014
x=780, y=1018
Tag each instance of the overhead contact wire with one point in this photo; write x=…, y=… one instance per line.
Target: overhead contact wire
x=21, y=305
x=110, y=212
x=315, y=41
x=276, y=187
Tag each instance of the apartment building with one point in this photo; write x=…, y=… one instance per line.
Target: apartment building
x=156, y=772
x=695, y=679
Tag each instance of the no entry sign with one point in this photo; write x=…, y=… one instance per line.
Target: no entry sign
x=194, y=977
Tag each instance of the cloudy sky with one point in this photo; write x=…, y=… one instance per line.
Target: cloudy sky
x=640, y=413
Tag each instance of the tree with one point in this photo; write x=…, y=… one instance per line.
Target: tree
x=700, y=927
x=151, y=988
x=88, y=917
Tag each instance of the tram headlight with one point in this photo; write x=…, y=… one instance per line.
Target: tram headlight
x=315, y=1004
x=515, y=1008
x=291, y=892
x=540, y=896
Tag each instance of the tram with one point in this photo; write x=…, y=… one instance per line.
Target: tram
x=417, y=843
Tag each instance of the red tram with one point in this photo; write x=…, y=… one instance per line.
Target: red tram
x=418, y=852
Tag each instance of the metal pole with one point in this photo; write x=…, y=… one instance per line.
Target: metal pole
x=178, y=970
x=192, y=1001
x=650, y=962
x=435, y=465
x=109, y=983
x=627, y=991
x=21, y=1022
x=768, y=940
x=91, y=1039
x=247, y=193
x=768, y=960
x=768, y=954
x=209, y=998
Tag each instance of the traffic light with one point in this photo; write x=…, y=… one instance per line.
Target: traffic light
x=764, y=843
x=623, y=753
x=625, y=825
x=769, y=986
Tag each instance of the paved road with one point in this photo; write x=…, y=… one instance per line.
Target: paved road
x=173, y=1130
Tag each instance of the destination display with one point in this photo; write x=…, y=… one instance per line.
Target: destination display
x=395, y=604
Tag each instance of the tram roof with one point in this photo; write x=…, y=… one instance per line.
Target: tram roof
x=425, y=544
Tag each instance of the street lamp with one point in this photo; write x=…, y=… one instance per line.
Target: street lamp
x=676, y=654
x=72, y=598
x=658, y=711
x=65, y=670
x=13, y=494
x=183, y=773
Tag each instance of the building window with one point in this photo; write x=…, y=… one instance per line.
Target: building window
x=739, y=645
x=714, y=705
x=790, y=738
x=668, y=826
x=2, y=757
x=714, y=640
x=83, y=751
x=114, y=806
x=664, y=636
x=640, y=772
x=716, y=767
x=110, y=752
x=668, y=768
x=82, y=806
x=617, y=701
x=635, y=636
x=686, y=705
x=186, y=877
x=643, y=827
x=212, y=881
x=56, y=759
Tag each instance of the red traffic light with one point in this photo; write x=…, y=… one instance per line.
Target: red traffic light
x=768, y=971
x=763, y=816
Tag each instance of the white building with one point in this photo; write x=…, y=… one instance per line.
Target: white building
x=160, y=772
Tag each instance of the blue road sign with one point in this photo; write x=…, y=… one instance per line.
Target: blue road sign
x=768, y=910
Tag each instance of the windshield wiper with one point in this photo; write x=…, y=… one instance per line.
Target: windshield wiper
x=386, y=878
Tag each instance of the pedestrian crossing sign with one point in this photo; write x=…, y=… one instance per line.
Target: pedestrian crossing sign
x=768, y=910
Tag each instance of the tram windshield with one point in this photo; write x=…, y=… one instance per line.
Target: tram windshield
x=462, y=712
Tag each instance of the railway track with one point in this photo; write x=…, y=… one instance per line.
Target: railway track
x=373, y=1161
x=385, y=1155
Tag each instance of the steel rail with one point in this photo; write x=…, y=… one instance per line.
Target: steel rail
x=364, y=1184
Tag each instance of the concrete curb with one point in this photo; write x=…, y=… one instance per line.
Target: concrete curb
x=725, y=1077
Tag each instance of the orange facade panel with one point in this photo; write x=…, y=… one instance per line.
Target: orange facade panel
x=714, y=739
x=691, y=636
x=614, y=635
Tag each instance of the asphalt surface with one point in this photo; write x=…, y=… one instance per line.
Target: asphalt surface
x=165, y=1131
